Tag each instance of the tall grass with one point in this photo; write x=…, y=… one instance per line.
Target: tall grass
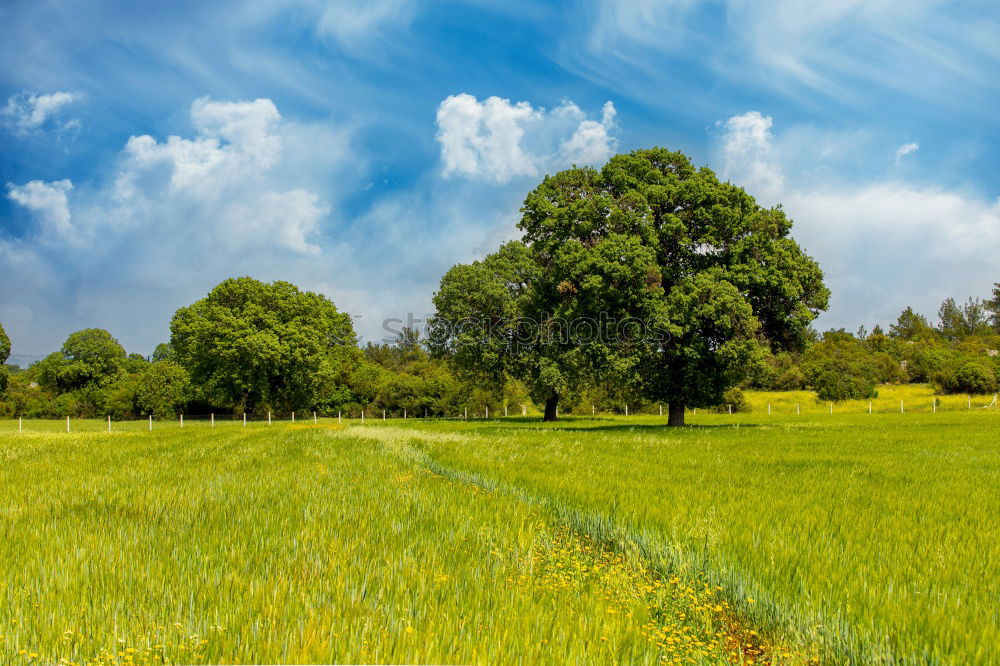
x=868, y=538
x=297, y=544
x=851, y=537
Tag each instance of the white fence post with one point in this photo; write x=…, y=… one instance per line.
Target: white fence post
x=109, y=422
x=150, y=423
x=934, y=406
x=338, y=417
x=487, y=411
x=67, y=424
x=466, y=412
x=869, y=406
x=362, y=416
x=797, y=408
x=383, y=415
x=626, y=410
x=730, y=409
x=269, y=418
x=244, y=419
x=182, y=420
x=900, y=406
x=314, y=417
x=213, y=419
x=20, y=425
x=293, y=417
x=768, y=409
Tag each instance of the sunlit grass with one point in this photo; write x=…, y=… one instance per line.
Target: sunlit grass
x=302, y=544
x=785, y=537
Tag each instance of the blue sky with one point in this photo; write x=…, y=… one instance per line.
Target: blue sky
x=362, y=148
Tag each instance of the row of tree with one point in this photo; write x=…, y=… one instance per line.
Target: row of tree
x=647, y=281
x=91, y=375
x=958, y=355
x=247, y=347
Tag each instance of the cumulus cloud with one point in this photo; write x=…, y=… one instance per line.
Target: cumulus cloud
x=746, y=152
x=906, y=149
x=28, y=111
x=496, y=140
x=221, y=180
x=878, y=242
x=47, y=200
x=173, y=217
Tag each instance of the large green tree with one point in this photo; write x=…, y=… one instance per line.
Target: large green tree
x=88, y=359
x=652, y=273
x=251, y=345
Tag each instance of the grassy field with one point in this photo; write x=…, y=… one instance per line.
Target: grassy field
x=785, y=537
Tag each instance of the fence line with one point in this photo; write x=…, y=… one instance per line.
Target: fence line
x=211, y=419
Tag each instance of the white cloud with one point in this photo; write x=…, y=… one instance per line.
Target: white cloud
x=47, y=200
x=246, y=193
x=489, y=140
x=746, y=152
x=29, y=111
x=883, y=245
x=220, y=185
x=591, y=143
x=906, y=149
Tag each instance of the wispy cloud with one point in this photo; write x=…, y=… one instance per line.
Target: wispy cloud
x=935, y=52
x=906, y=149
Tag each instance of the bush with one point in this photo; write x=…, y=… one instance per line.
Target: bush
x=733, y=397
x=834, y=385
x=972, y=377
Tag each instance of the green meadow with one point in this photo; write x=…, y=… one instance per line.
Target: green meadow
x=784, y=538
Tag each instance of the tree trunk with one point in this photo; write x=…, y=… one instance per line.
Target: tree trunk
x=551, y=405
x=676, y=417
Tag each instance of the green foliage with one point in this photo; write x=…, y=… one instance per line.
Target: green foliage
x=714, y=278
x=254, y=346
x=163, y=352
x=733, y=401
x=683, y=282
x=957, y=322
x=911, y=326
x=839, y=369
x=162, y=389
x=91, y=357
x=4, y=355
x=992, y=307
x=965, y=374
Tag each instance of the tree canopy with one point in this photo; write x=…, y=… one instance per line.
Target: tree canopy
x=253, y=345
x=650, y=272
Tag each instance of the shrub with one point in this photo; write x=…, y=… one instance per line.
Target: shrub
x=974, y=377
x=736, y=399
x=835, y=385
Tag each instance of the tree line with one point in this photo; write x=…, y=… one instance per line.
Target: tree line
x=648, y=281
